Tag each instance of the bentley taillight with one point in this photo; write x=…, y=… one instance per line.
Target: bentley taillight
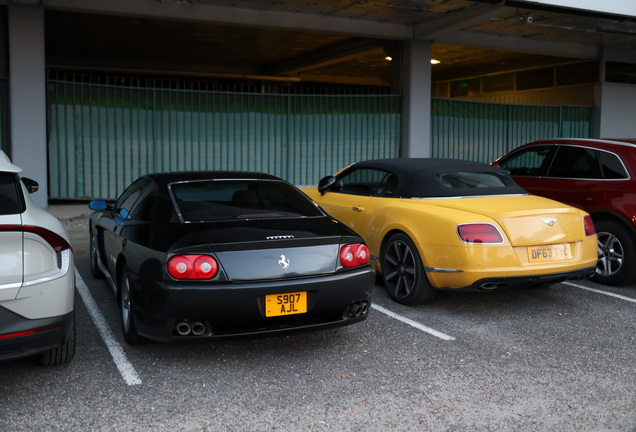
x=354, y=255
x=589, y=226
x=197, y=267
x=479, y=233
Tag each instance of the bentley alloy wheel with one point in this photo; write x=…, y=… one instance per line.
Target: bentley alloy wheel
x=403, y=272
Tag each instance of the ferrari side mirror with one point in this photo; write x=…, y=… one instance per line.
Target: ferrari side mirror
x=98, y=205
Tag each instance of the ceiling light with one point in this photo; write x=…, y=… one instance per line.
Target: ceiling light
x=433, y=61
x=388, y=58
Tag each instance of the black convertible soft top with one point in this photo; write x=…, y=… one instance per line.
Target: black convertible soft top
x=420, y=177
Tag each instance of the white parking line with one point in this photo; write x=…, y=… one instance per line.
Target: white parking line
x=629, y=299
x=125, y=367
x=412, y=323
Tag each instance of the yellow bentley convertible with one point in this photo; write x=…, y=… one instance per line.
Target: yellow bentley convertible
x=443, y=224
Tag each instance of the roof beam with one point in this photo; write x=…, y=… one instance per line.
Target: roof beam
x=520, y=44
x=613, y=9
x=325, y=56
x=619, y=55
x=340, y=79
x=439, y=27
x=237, y=16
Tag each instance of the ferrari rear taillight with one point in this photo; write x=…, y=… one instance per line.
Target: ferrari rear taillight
x=589, y=226
x=205, y=267
x=479, y=233
x=353, y=255
x=196, y=267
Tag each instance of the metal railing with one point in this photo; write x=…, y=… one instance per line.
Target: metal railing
x=104, y=132
x=102, y=137
x=483, y=131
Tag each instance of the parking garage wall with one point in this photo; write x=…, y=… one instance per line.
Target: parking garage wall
x=103, y=137
x=482, y=132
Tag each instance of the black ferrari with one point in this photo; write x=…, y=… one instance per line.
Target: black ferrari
x=212, y=254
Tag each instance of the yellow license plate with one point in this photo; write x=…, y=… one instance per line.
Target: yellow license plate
x=558, y=252
x=285, y=304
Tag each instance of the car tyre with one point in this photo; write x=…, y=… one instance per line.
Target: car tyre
x=617, y=254
x=96, y=272
x=64, y=353
x=126, y=304
x=403, y=272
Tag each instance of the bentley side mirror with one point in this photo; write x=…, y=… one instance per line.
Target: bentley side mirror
x=31, y=185
x=325, y=183
x=98, y=205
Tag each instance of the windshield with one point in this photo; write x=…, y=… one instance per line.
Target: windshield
x=466, y=179
x=222, y=200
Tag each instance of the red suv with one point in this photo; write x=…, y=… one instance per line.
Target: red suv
x=596, y=175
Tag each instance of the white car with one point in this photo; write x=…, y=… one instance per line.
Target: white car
x=37, y=278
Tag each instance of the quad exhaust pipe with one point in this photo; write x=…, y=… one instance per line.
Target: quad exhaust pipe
x=198, y=328
x=184, y=328
x=365, y=308
x=357, y=309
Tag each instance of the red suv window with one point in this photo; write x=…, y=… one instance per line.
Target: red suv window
x=575, y=162
x=529, y=162
x=613, y=168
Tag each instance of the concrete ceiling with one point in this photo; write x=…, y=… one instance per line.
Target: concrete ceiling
x=326, y=40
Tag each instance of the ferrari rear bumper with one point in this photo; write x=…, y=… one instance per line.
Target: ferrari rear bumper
x=232, y=309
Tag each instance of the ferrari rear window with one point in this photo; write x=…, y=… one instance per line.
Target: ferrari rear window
x=474, y=179
x=223, y=200
x=9, y=200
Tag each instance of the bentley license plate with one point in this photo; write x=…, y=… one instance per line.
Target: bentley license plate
x=558, y=252
x=285, y=304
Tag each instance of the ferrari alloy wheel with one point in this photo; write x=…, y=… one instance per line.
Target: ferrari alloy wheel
x=403, y=272
x=127, y=311
x=616, y=254
x=95, y=270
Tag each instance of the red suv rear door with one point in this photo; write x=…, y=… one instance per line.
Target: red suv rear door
x=574, y=177
x=619, y=193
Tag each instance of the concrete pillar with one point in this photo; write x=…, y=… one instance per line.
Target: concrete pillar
x=27, y=93
x=415, y=65
x=615, y=103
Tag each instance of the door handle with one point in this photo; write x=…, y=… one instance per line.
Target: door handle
x=357, y=209
x=585, y=198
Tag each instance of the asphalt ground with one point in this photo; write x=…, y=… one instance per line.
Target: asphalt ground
x=556, y=359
